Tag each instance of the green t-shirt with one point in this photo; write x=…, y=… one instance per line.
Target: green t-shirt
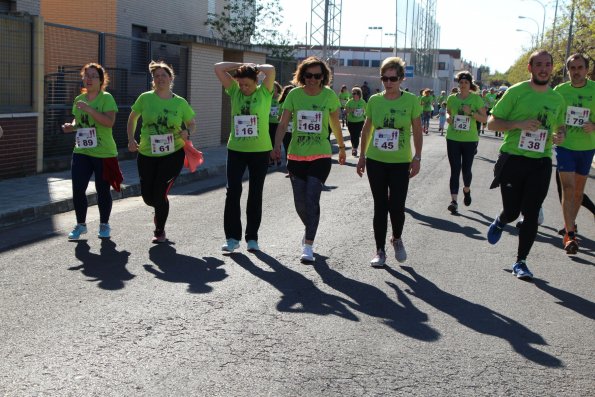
x=442, y=98
x=161, y=117
x=243, y=127
x=344, y=97
x=463, y=128
x=388, y=115
x=359, y=107
x=426, y=103
x=490, y=100
x=275, y=112
x=106, y=146
x=310, y=121
x=583, y=98
x=521, y=102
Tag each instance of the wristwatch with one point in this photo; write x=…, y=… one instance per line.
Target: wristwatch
x=418, y=158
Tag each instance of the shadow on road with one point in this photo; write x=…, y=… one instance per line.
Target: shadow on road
x=477, y=317
x=446, y=225
x=108, y=267
x=570, y=301
x=178, y=268
x=300, y=294
x=403, y=318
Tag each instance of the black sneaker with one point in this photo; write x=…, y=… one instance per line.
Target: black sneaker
x=453, y=207
x=467, y=199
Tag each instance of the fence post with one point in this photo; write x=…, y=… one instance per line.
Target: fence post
x=101, y=49
x=37, y=93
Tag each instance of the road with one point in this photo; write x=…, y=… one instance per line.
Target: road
x=125, y=317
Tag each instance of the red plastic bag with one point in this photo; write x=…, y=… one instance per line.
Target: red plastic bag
x=193, y=158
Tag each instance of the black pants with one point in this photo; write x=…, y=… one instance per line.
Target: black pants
x=389, y=184
x=355, y=130
x=157, y=176
x=257, y=165
x=460, y=157
x=83, y=167
x=524, y=184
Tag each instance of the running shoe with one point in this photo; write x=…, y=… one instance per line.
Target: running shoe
x=467, y=199
x=307, y=254
x=159, y=237
x=230, y=245
x=79, y=228
x=453, y=207
x=379, y=260
x=495, y=231
x=400, y=253
x=521, y=271
x=354, y=152
x=104, y=230
x=570, y=244
x=252, y=246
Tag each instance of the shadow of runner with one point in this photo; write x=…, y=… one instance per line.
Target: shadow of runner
x=178, y=268
x=570, y=301
x=446, y=225
x=403, y=318
x=299, y=294
x=108, y=267
x=477, y=317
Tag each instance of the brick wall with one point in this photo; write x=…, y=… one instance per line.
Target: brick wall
x=18, y=146
x=99, y=16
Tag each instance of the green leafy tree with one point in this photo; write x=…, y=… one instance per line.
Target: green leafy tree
x=252, y=22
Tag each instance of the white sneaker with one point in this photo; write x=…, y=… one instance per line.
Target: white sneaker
x=379, y=260
x=307, y=253
x=400, y=253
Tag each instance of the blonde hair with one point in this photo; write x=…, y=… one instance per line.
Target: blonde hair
x=155, y=65
x=393, y=63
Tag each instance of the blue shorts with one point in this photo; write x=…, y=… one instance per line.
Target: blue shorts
x=578, y=161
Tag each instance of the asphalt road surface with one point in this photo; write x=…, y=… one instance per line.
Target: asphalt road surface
x=126, y=317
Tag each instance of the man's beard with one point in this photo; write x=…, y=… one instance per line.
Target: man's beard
x=536, y=80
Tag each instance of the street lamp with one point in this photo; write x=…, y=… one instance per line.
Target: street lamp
x=536, y=24
x=380, y=52
x=543, y=23
x=530, y=34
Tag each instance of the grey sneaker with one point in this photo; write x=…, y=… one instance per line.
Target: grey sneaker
x=400, y=253
x=379, y=260
x=307, y=254
x=104, y=230
x=230, y=246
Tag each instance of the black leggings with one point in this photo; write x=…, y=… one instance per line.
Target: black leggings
x=157, y=176
x=355, y=130
x=460, y=157
x=524, y=183
x=389, y=183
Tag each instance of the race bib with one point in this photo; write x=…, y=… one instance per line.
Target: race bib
x=386, y=140
x=462, y=123
x=162, y=144
x=358, y=112
x=246, y=126
x=533, y=141
x=309, y=121
x=577, y=117
x=274, y=111
x=86, y=138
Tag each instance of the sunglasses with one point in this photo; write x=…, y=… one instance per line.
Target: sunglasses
x=391, y=78
x=355, y=93
x=317, y=76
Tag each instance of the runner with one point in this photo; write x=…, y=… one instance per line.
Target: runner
x=274, y=115
x=529, y=113
x=168, y=120
x=575, y=155
x=248, y=146
x=442, y=118
x=311, y=107
x=344, y=96
x=95, y=150
x=356, y=114
x=465, y=110
x=426, y=104
x=392, y=118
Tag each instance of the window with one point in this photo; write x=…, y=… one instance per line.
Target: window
x=441, y=65
x=140, y=49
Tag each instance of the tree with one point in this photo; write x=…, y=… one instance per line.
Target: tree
x=252, y=22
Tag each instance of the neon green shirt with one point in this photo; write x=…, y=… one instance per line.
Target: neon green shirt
x=257, y=105
x=358, y=107
x=344, y=97
x=310, y=122
x=275, y=112
x=106, y=146
x=462, y=129
x=161, y=117
x=388, y=115
x=521, y=102
x=426, y=103
x=490, y=100
x=583, y=98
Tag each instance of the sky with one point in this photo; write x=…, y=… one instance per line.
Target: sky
x=484, y=30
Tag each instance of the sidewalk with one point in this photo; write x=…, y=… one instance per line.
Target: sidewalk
x=39, y=196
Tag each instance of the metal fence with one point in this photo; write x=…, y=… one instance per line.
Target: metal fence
x=16, y=63
x=125, y=59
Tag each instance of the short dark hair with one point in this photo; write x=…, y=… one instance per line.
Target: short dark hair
x=538, y=53
x=247, y=71
x=578, y=55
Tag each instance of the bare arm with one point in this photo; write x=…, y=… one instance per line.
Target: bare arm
x=361, y=163
x=222, y=70
x=269, y=75
x=418, y=141
x=336, y=128
x=130, y=129
x=280, y=133
x=106, y=119
x=496, y=124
